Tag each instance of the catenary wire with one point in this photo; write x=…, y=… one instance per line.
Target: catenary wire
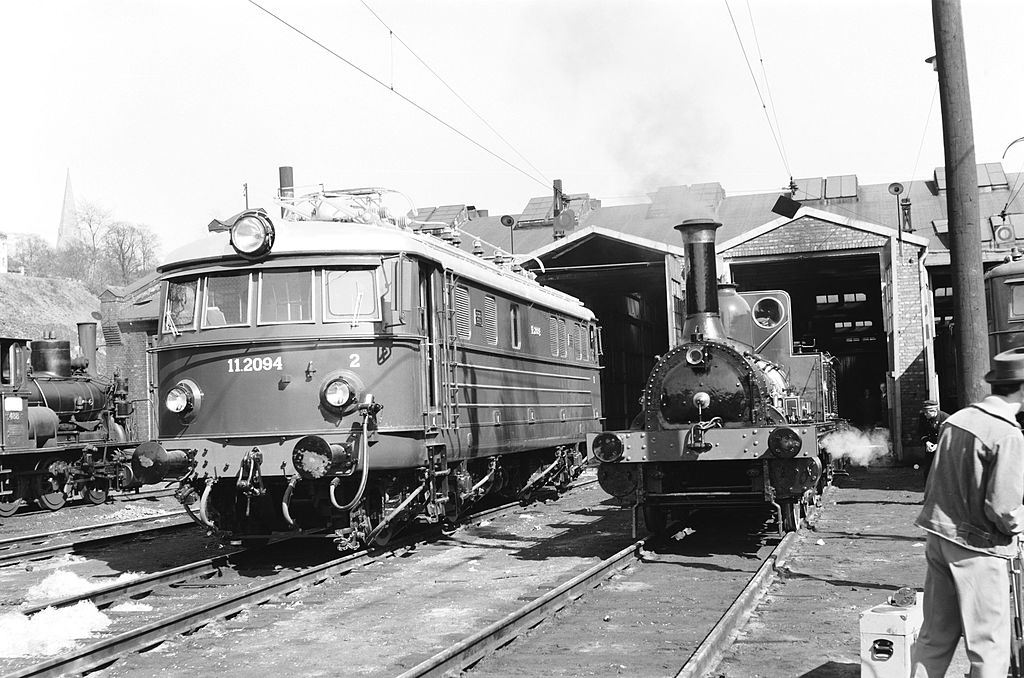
x=924, y=135
x=452, y=90
x=753, y=77
x=767, y=86
x=398, y=94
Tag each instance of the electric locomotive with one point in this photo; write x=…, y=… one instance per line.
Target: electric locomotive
x=731, y=417
x=345, y=369
x=62, y=429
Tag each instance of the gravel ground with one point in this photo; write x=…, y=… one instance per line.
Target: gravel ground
x=33, y=520
x=863, y=548
x=381, y=620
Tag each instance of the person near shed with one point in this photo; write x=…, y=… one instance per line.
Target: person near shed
x=973, y=513
x=928, y=422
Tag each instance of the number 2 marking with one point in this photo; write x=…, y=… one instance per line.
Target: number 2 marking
x=353, y=360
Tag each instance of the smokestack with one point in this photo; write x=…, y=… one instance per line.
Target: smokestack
x=287, y=183
x=702, y=317
x=87, y=345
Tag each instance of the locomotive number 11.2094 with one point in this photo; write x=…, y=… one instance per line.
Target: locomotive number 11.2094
x=254, y=364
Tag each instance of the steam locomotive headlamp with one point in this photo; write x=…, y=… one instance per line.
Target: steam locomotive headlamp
x=784, y=442
x=252, y=232
x=607, y=448
x=184, y=398
x=340, y=392
x=695, y=356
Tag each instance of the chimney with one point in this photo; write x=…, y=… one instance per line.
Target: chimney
x=702, y=316
x=287, y=184
x=87, y=345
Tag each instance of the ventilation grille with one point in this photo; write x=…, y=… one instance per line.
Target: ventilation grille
x=491, y=321
x=463, y=328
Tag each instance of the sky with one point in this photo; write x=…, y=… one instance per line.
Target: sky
x=161, y=111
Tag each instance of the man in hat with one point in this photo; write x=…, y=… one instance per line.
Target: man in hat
x=972, y=513
x=929, y=419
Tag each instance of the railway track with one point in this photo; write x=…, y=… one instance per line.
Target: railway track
x=635, y=613
x=14, y=550
x=227, y=585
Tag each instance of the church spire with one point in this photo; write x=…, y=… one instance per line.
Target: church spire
x=68, y=230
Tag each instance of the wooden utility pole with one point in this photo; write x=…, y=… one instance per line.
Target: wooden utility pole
x=970, y=321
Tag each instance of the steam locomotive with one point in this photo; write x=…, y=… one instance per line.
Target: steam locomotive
x=731, y=417
x=346, y=369
x=62, y=429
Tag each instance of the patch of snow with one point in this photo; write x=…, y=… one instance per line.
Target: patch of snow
x=49, y=631
x=131, y=606
x=63, y=583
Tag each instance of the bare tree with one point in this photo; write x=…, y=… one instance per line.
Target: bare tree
x=130, y=250
x=33, y=254
x=93, y=221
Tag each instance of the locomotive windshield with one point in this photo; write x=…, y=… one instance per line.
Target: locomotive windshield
x=281, y=296
x=226, y=300
x=351, y=295
x=180, y=306
x=286, y=297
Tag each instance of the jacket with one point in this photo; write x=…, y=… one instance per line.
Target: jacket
x=928, y=427
x=974, y=491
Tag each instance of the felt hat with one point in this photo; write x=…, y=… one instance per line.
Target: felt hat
x=1007, y=367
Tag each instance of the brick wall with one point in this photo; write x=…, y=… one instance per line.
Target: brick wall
x=910, y=360
x=807, y=234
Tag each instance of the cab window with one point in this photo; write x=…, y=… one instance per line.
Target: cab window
x=180, y=306
x=1017, y=300
x=285, y=297
x=351, y=295
x=226, y=301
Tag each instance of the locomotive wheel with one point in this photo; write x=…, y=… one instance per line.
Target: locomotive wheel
x=96, y=493
x=656, y=520
x=50, y=487
x=52, y=500
x=9, y=508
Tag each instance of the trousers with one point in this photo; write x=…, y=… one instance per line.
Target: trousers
x=966, y=593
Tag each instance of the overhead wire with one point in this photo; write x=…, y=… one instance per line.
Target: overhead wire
x=746, y=59
x=924, y=135
x=465, y=103
x=408, y=100
x=767, y=86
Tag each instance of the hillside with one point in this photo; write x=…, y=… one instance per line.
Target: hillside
x=30, y=307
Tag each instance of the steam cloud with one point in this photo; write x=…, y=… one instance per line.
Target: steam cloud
x=860, y=447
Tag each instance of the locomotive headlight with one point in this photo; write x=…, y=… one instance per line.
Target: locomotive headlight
x=607, y=448
x=340, y=392
x=785, y=443
x=252, y=235
x=337, y=393
x=695, y=355
x=183, y=398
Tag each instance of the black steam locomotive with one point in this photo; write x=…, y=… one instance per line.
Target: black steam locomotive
x=62, y=429
x=731, y=417
x=343, y=370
